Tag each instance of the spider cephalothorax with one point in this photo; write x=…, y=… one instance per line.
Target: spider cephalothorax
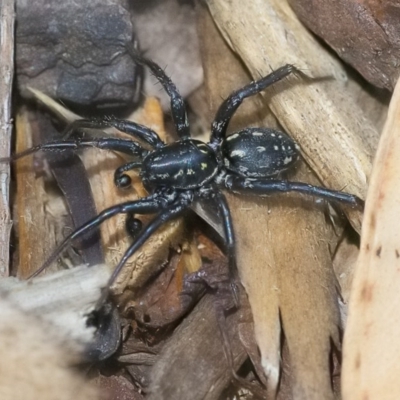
x=178, y=174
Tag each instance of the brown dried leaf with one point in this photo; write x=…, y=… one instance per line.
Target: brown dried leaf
x=161, y=304
x=192, y=364
x=371, y=344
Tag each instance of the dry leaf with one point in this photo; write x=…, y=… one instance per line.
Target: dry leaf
x=371, y=345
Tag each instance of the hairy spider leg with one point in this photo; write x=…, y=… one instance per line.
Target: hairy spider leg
x=122, y=145
x=147, y=205
x=133, y=129
x=271, y=186
x=229, y=106
x=178, y=107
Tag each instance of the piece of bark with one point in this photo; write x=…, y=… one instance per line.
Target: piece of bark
x=192, y=364
x=39, y=227
x=371, y=344
x=364, y=34
x=336, y=138
x=7, y=16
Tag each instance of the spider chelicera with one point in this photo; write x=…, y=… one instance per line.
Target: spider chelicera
x=189, y=170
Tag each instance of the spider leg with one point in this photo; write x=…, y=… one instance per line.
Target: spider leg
x=229, y=106
x=148, y=205
x=133, y=129
x=227, y=224
x=180, y=205
x=271, y=186
x=122, y=145
x=225, y=213
x=178, y=108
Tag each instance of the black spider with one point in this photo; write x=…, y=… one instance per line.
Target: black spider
x=188, y=170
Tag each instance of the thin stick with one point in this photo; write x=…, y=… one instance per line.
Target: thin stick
x=7, y=17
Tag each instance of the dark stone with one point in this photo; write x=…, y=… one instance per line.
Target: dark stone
x=73, y=51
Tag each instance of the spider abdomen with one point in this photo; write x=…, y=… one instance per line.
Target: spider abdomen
x=259, y=152
x=186, y=164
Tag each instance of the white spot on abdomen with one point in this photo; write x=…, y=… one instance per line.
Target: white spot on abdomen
x=287, y=160
x=238, y=153
x=163, y=176
x=232, y=136
x=180, y=173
